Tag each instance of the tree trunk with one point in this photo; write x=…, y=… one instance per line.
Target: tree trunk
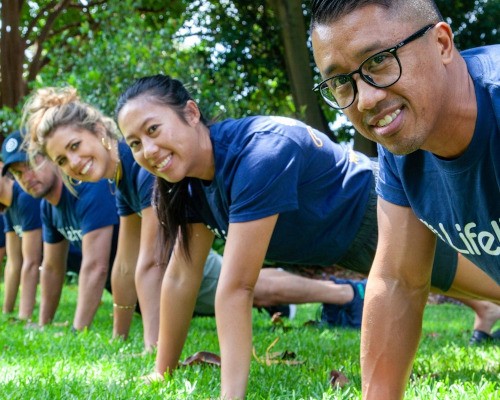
x=12, y=85
x=297, y=60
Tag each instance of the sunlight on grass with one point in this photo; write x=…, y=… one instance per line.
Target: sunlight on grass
x=56, y=364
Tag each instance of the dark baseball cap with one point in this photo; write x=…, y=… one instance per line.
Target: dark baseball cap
x=12, y=150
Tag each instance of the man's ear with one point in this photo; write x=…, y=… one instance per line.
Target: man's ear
x=444, y=37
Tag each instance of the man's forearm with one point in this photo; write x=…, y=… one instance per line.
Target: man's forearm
x=392, y=324
x=51, y=287
x=29, y=283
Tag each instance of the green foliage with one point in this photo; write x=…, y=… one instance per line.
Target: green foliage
x=228, y=52
x=9, y=119
x=57, y=364
x=474, y=22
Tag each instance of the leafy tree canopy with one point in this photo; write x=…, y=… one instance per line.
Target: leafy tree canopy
x=229, y=52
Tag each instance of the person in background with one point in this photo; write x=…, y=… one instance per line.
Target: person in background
x=61, y=118
x=86, y=146
x=3, y=251
x=273, y=188
x=393, y=69
x=23, y=237
x=87, y=219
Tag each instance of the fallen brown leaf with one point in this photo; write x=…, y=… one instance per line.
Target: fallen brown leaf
x=338, y=379
x=276, y=319
x=202, y=357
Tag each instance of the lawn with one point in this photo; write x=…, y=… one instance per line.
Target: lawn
x=56, y=364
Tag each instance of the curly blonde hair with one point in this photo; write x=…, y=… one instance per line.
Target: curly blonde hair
x=50, y=108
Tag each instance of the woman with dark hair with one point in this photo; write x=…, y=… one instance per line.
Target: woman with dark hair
x=272, y=188
x=85, y=145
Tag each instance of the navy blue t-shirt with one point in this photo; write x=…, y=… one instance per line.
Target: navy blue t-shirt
x=2, y=232
x=458, y=199
x=135, y=187
x=92, y=208
x=23, y=214
x=276, y=165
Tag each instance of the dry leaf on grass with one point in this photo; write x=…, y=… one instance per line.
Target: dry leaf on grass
x=201, y=357
x=276, y=319
x=284, y=357
x=338, y=379
x=277, y=322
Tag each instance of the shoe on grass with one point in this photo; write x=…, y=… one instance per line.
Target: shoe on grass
x=346, y=315
x=480, y=337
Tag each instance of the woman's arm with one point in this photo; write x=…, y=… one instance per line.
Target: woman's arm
x=96, y=250
x=122, y=275
x=244, y=254
x=179, y=291
x=148, y=276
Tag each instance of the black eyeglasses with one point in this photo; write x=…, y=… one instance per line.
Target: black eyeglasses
x=380, y=70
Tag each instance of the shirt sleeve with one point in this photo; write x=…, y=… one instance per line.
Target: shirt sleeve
x=122, y=207
x=30, y=212
x=145, y=185
x=96, y=207
x=50, y=233
x=7, y=221
x=389, y=185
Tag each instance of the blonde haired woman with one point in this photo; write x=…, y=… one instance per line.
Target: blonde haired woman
x=94, y=152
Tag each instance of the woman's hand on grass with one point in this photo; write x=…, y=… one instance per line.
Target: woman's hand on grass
x=153, y=377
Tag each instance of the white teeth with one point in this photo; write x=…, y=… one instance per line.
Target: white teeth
x=163, y=163
x=388, y=118
x=86, y=168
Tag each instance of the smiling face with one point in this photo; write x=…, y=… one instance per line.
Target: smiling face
x=401, y=117
x=164, y=143
x=80, y=154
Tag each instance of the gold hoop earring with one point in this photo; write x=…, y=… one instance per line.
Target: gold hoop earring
x=106, y=143
x=74, y=182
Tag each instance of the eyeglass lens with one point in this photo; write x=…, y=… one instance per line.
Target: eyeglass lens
x=380, y=70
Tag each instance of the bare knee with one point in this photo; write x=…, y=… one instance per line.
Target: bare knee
x=266, y=292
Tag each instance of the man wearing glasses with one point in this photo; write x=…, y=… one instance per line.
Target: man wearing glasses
x=392, y=67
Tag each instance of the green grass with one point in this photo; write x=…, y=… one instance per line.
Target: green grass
x=56, y=364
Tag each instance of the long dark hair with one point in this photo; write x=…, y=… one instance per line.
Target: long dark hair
x=169, y=199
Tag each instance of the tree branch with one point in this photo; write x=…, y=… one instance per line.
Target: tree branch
x=63, y=29
x=89, y=5
x=35, y=65
x=37, y=18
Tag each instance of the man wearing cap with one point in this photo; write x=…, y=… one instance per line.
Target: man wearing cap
x=86, y=219
x=23, y=240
